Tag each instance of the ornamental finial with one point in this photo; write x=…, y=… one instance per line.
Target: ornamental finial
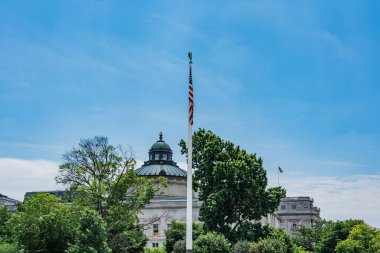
x=190, y=54
x=161, y=134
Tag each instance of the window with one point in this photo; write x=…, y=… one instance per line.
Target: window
x=155, y=229
x=155, y=245
x=294, y=207
x=306, y=206
x=164, y=157
x=283, y=207
x=157, y=157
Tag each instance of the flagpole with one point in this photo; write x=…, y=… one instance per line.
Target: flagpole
x=189, y=207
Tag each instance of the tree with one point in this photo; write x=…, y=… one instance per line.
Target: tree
x=333, y=233
x=308, y=238
x=232, y=184
x=8, y=248
x=269, y=245
x=5, y=215
x=91, y=234
x=178, y=232
x=43, y=224
x=102, y=177
x=211, y=243
x=360, y=240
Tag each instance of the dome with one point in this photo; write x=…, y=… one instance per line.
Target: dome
x=165, y=170
x=160, y=162
x=160, y=145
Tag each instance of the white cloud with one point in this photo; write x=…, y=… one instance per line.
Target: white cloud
x=339, y=198
x=18, y=176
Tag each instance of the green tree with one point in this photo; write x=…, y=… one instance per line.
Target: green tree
x=308, y=238
x=232, y=184
x=43, y=224
x=156, y=250
x=211, y=243
x=102, y=177
x=360, y=240
x=333, y=233
x=178, y=232
x=5, y=215
x=8, y=248
x=91, y=234
x=269, y=245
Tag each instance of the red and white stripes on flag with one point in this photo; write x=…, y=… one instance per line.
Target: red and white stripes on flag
x=191, y=98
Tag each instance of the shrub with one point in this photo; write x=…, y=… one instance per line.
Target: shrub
x=179, y=247
x=269, y=245
x=240, y=247
x=211, y=243
x=154, y=250
x=178, y=232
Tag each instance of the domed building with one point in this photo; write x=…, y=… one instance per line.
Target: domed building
x=170, y=204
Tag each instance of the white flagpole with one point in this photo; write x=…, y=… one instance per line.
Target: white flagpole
x=189, y=208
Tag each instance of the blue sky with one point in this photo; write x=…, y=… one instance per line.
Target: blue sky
x=296, y=82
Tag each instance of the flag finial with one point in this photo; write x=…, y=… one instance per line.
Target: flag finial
x=190, y=54
x=161, y=134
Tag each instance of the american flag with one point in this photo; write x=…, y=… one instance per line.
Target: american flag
x=191, y=98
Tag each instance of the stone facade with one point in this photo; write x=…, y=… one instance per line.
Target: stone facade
x=296, y=211
x=8, y=203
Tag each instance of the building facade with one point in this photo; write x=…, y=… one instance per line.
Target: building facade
x=8, y=203
x=296, y=211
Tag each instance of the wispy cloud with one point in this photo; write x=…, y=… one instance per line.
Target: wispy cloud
x=18, y=176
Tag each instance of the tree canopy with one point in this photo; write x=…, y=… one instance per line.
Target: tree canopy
x=102, y=177
x=232, y=184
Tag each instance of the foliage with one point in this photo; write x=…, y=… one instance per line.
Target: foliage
x=360, y=240
x=282, y=236
x=8, y=248
x=252, y=231
x=91, y=234
x=156, y=250
x=130, y=239
x=179, y=246
x=232, y=184
x=178, y=232
x=102, y=177
x=211, y=243
x=308, y=238
x=5, y=215
x=43, y=224
x=240, y=247
x=333, y=233
x=269, y=245
x=298, y=249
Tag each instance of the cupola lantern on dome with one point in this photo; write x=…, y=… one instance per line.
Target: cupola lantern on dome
x=160, y=161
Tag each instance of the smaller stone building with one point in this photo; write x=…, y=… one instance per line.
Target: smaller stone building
x=296, y=211
x=8, y=203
